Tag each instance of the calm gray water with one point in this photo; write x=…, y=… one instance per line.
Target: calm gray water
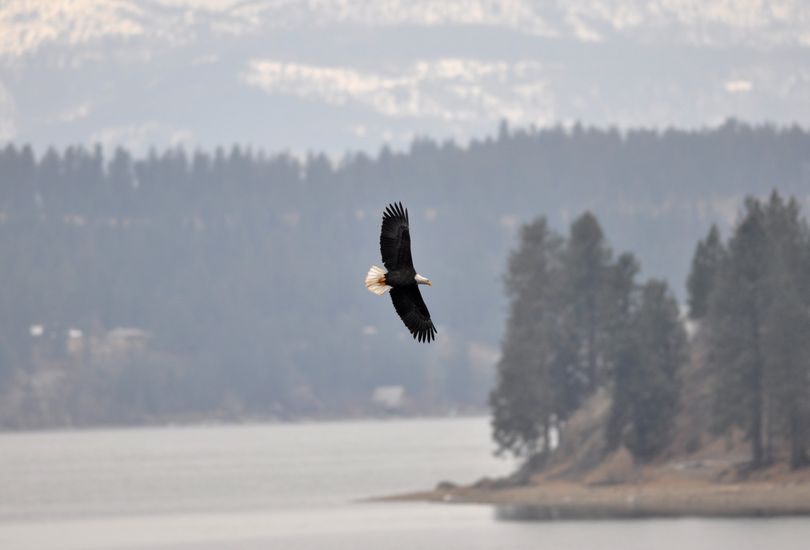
x=298, y=487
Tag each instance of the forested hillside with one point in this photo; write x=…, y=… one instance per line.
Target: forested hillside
x=585, y=336
x=229, y=283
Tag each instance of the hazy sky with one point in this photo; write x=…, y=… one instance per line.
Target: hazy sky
x=345, y=74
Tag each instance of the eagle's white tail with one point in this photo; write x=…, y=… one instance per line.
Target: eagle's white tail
x=375, y=280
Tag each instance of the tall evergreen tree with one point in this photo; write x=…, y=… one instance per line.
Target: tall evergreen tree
x=705, y=264
x=786, y=338
x=786, y=366
x=737, y=312
x=586, y=265
x=649, y=352
x=617, y=304
x=524, y=401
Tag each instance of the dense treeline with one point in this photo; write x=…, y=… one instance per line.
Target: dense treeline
x=580, y=323
x=238, y=274
x=754, y=306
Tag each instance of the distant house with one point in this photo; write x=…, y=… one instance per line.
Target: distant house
x=75, y=341
x=391, y=398
x=120, y=341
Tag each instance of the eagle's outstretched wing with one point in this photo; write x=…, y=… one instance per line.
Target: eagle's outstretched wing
x=413, y=312
x=395, y=238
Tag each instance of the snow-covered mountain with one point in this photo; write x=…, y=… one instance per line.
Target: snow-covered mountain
x=351, y=74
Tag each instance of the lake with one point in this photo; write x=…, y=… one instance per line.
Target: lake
x=299, y=486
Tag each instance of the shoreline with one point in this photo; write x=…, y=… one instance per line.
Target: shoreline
x=550, y=501
x=215, y=422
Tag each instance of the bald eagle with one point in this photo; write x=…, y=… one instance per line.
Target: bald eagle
x=399, y=275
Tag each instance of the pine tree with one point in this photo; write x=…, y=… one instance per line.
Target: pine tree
x=586, y=265
x=617, y=304
x=787, y=349
x=737, y=312
x=649, y=351
x=705, y=264
x=786, y=338
x=523, y=402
